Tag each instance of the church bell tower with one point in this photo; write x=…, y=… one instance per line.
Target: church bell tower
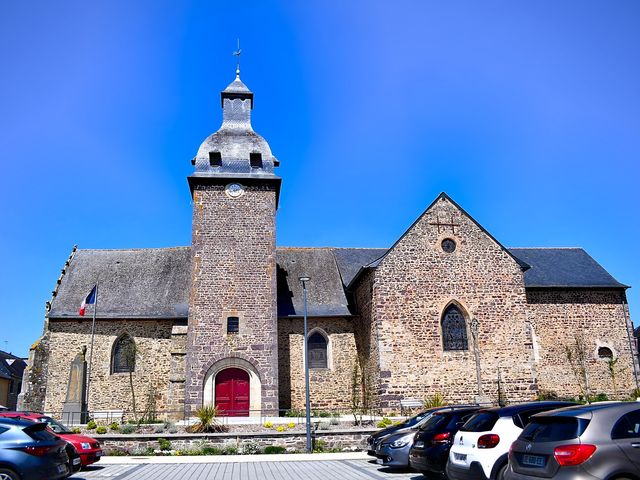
x=232, y=355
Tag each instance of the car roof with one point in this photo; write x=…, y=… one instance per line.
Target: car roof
x=588, y=409
x=17, y=422
x=523, y=407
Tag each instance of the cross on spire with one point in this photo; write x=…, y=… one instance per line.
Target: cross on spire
x=237, y=54
x=443, y=225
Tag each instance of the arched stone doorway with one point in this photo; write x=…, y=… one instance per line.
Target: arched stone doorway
x=234, y=386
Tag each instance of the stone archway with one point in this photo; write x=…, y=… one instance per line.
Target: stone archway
x=225, y=368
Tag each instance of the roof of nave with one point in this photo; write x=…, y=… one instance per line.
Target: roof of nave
x=155, y=282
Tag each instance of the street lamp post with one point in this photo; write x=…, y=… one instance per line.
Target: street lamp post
x=304, y=281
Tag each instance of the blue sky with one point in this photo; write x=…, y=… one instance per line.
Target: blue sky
x=526, y=113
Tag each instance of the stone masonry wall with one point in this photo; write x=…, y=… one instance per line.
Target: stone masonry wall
x=233, y=274
x=330, y=388
x=366, y=335
x=110, y=391
x=596, y=319
x=414, y=284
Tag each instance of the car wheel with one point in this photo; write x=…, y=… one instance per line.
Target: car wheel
x=501, y=472
x=6, y=474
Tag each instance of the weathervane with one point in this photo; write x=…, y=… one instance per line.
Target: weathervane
x=237, y=54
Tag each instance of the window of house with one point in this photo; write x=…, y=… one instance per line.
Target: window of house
x=454, y=329
x=256, y=160
x=605, y=352
x=233, y=325
x=123, y=358
x=317, y=345
x=215, y=159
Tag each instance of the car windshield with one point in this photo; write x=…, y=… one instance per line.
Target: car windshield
x=57, y=427
x=480, y=422
x=554, y=429
x=436, y=421
x=410, y=422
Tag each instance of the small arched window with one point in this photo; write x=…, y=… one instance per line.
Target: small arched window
x=605, y=352
x=454, y=329
x=317, y=345
x=123, y=357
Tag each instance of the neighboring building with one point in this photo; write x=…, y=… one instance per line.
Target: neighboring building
x=11, y=369
x=446, y=309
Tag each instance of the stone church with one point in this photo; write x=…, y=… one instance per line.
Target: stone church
x=446, y=309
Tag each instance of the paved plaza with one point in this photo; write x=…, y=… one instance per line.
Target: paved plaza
x=245, y=470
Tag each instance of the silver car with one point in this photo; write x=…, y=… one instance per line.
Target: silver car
x=587, y=442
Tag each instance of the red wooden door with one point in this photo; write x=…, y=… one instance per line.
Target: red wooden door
x=232, y=393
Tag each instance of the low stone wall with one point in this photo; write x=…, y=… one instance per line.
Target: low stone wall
x=348, y=440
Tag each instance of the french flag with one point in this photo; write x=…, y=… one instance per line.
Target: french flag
x=89, y=300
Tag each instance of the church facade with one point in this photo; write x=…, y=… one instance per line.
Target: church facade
x=447, y=309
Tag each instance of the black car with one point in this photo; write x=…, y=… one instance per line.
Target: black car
x=408, y=423
x=29, y=451
x=433, y=440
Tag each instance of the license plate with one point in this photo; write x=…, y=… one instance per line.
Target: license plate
x=461, y=457
x=419, y=444
x=98, y=454
x=379, y=461
x=62, y=468
x=533, y=460
x=76, y=461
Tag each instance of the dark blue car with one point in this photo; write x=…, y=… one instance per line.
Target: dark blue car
x=29, y=451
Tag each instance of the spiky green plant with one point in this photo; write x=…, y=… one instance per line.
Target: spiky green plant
x=207, y=421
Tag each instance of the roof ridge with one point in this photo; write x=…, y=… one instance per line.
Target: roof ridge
x=182, y=247
x=545, y=248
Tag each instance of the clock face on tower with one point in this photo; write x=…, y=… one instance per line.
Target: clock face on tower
x=234, y=190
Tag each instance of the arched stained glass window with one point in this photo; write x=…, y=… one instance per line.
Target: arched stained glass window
x=123, y=357
x=454, y=329
x=317, y=345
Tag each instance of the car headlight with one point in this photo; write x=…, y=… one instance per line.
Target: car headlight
x=85, y=446
x=399, y=443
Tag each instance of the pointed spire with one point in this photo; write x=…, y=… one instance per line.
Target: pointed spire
x=237, y=54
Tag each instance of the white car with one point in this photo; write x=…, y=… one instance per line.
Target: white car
x=481, y=446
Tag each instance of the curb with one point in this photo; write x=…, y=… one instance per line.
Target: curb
x=287, y=457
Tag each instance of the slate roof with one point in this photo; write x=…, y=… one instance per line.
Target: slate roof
x=14, y=365
x=138, y=283
x=155, y=282
x=563, y=267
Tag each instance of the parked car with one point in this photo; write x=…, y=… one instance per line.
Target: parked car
x=432, y=442
x=393, y=450
x=588, y=442
x=29, y=451
x=373, y=440
x=481, y=446
x=83, y=450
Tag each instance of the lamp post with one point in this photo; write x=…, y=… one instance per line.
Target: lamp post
x=476, y=352
x=304, y=281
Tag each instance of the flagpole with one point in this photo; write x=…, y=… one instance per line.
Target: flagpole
x=93, y=331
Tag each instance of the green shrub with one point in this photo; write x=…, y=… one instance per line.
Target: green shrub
x=324, y=425
x=127, y=428
x=435, y=400
x=207, y=421
x=91, y=425
x=164, y=444
x=158, y=428
x=335, y=420
x=274, y=449
x=294, y=413
x=118, y=452
x=384, y=423
x=599, y=397
x=319, y=446
x=76, y=430
x=114, y=426
x=229, y=450
x=101, y=429
x=547, y=395
x=211, y=451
